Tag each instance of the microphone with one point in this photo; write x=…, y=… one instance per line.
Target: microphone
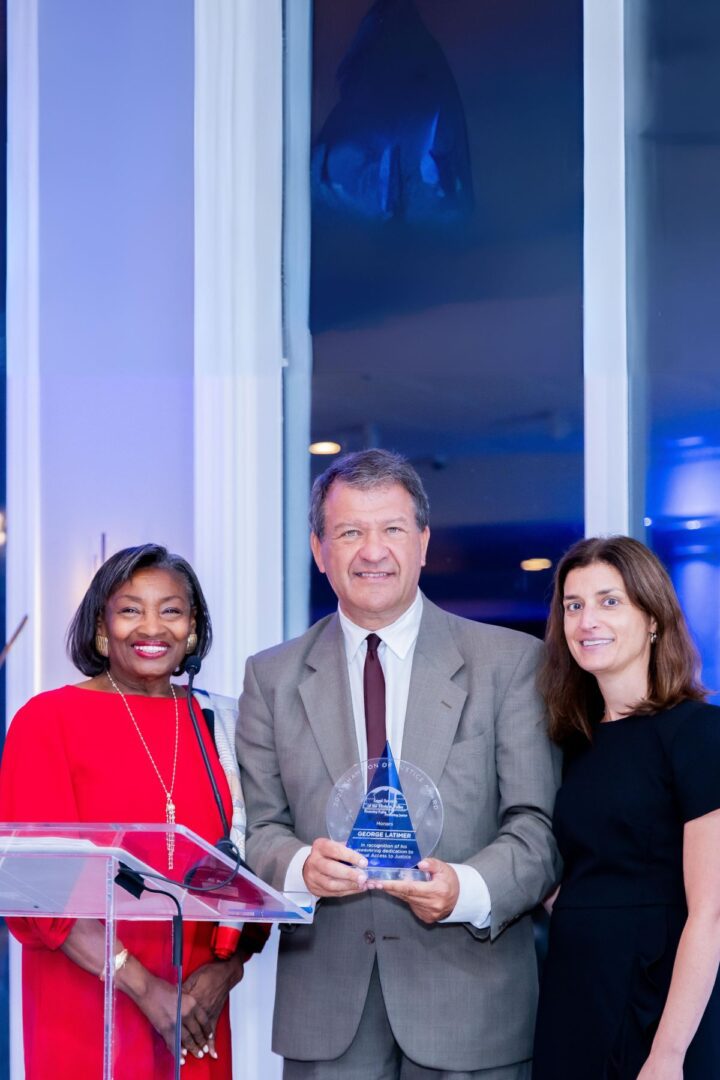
x=224, y=844
x=226, y=935
x=192, y=667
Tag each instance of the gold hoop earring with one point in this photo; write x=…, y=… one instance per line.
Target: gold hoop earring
x=191, y=644
x=101, y=644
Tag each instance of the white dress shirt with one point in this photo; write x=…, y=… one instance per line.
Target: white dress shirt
x=396, y=651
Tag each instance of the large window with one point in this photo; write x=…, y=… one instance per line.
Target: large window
x=674, y=228
x=446, y=291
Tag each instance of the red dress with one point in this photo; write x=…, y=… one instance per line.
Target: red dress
x=74, y=755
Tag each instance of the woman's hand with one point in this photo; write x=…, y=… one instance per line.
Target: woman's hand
x=208, y=988
x=158, y=1002
x=662, y=1066
x=204, y=992
x=698, y=955
x=549, y=901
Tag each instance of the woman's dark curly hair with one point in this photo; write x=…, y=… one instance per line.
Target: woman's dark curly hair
x=113, y=573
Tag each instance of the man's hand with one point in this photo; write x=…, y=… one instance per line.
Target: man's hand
x=431, y=900
x=331, y=869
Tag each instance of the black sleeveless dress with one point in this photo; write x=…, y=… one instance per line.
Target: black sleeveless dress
x=615, y=928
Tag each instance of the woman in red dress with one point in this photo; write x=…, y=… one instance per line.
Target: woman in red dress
x=120, y=746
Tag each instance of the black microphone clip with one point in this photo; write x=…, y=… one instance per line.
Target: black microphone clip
x=193, y=664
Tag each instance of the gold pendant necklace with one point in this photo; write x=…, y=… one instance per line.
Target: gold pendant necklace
x=169, y=804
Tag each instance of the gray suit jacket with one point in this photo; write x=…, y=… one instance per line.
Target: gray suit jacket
x=457, y=998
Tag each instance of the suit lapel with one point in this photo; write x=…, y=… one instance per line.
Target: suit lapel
x=325, y=693
x=435, y=702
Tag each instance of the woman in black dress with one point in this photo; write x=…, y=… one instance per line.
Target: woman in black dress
x=629, y=986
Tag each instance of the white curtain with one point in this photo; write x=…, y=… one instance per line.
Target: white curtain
x=23, y=470
x=238, y=382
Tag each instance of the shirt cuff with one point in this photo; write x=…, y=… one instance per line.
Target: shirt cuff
x=295, y=882
x=473, y=903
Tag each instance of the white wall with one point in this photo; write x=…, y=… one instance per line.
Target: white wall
x=100, y=311
x=116, y=250
x=144, y=333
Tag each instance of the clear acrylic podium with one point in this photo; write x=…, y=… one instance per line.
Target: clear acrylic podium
x=70, y=871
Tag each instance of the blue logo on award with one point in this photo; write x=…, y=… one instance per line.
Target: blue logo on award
x=383, y=831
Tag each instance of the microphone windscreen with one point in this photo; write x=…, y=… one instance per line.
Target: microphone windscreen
x=192, y=664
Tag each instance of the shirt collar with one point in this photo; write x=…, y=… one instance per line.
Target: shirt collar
x=399, y=636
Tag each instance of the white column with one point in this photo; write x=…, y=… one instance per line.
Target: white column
x=100, y=356
x=298, y=341
x=238, y=379
x=23, y=405
x=605, y=304
x=100, y=198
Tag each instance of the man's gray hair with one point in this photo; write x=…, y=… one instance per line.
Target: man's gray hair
x=368, y=469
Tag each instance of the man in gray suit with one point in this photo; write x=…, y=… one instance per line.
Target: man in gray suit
x=410, y=980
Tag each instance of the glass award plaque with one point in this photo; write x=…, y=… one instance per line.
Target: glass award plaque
x=389, y=812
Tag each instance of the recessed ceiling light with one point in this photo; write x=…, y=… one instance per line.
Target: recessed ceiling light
x=536, y=564
x=326, y=447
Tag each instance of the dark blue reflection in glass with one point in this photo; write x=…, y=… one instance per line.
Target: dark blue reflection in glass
x=446, y=289
x=674, y=229
x=395, y=145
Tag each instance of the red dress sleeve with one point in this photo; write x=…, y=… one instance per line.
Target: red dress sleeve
x=36, y=785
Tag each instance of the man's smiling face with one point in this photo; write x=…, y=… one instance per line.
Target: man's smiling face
x=372, y=551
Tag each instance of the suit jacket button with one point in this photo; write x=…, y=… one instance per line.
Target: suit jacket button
x=369, y=937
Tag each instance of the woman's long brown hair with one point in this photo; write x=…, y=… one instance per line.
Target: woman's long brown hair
x=572, y=695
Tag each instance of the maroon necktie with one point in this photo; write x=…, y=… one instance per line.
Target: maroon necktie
x=374, y=689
